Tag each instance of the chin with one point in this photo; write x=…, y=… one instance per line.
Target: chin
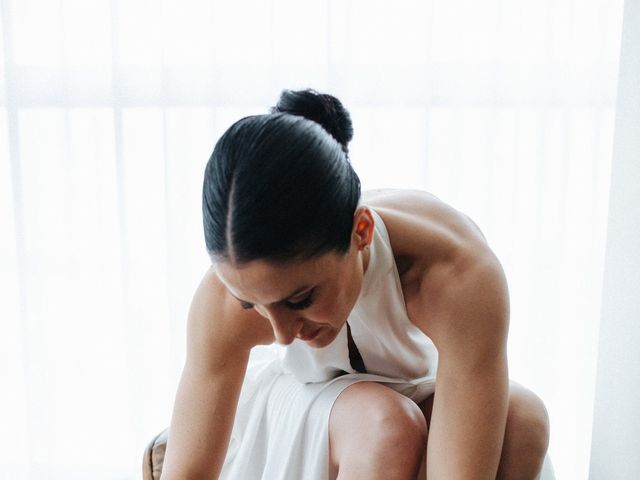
x=319, y=343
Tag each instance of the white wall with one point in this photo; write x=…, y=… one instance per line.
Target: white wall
x=616, y=428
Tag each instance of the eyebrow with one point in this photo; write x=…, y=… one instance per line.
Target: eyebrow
x=292, y=294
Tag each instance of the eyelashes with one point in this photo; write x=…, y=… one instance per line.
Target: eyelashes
x=301, y=305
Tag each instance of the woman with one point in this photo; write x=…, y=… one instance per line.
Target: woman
x=392, y=309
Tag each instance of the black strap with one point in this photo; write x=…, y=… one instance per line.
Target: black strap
x=354, y=355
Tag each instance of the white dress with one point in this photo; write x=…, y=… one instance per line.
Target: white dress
x=281, y=428
x=282, y=420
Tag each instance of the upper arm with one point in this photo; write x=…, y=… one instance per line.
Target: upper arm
x=461, y=302
x=218, y=329
x=220, y=336
x=457, y=295
x=467, y=310
x=468, y=323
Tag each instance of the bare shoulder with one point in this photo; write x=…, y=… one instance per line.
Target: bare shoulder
x=425, y=228
x=218, y=329
x=452, y=281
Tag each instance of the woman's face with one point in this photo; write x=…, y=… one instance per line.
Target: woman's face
x=309, y=299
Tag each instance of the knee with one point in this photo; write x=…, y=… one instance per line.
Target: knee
x=396, y=421
x=527, y=433
x=374, y=420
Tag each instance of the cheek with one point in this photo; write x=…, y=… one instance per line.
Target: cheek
x=324, y=312
x=340, y=297
x=339, y=304
x=350, y=285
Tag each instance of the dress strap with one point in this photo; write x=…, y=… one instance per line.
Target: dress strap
x=354, y=355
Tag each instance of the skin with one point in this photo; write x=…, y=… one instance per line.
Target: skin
x=454, y=291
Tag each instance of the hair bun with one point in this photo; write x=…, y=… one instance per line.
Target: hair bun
x=322, y=108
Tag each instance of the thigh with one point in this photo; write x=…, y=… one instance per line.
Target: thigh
x=522, y=403
x=526, y=433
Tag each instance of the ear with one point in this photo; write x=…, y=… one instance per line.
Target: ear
x=363, y=224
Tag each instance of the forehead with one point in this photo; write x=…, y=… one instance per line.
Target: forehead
x=265, y=282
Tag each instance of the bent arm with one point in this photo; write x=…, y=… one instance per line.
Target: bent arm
x=202, y=421
x=469, y=326
x=218, y=346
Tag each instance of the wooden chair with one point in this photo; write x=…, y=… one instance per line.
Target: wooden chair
x=154, y=456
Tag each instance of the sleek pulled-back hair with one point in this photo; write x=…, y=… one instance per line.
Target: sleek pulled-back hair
x=280, y=186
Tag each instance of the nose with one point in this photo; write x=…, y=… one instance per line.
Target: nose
x=285, y=326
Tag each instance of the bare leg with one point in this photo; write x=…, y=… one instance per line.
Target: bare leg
x=376, y=433
x=526, y=435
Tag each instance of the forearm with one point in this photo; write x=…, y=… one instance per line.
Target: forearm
x=201, y=424
x=467, y=425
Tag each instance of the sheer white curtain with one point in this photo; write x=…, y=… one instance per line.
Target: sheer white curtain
x=110, y=109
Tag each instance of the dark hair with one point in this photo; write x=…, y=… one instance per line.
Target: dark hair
x=280, y=186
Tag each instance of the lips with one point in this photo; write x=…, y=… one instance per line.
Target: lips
x=309, y=335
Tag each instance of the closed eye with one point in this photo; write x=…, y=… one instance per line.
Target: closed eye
x=306, y=303
x=301, y=305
